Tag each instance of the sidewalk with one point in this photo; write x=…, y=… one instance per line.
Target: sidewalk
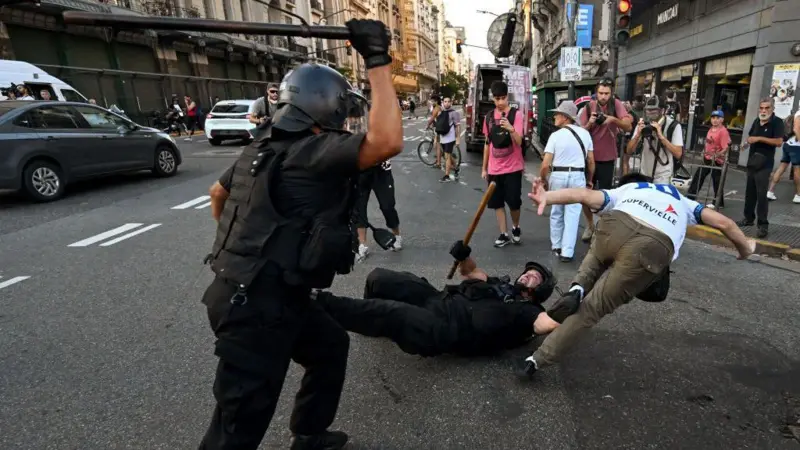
x=784, y=216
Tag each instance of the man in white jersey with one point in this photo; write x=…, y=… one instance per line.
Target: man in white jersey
x=639, y=234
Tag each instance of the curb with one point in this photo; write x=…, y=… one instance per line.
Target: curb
x=712, y=236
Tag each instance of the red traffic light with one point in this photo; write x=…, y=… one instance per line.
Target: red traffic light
x=624, y=6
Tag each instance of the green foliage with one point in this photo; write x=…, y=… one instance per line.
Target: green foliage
x=454, y=85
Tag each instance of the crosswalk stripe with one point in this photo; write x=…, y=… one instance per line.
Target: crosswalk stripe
x=14, y=280
x=130, y=235
x=191, y=203
x=204, y=205
x=103, y=236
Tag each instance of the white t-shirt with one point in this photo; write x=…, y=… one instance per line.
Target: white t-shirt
x=663, y=172
x=565, y=148
x=659, y=205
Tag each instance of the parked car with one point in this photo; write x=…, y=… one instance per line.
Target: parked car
x=47, y=144
x=229, y=119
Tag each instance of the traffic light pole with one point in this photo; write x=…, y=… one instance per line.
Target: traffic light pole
x=570, y=14
x=613, y=48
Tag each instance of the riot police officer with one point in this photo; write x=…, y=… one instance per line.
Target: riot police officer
x=284, y=228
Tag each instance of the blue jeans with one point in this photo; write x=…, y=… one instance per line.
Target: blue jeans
x=564, y=219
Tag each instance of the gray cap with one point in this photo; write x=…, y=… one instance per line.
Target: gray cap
x=567, y=108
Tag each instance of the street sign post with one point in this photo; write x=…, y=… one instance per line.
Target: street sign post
x=571, y=61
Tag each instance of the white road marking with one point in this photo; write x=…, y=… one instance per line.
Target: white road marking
x=14, y=280
x=130, y=235
x=103, y=236
x=204, y=205
x=191, y=203
x=203, y=140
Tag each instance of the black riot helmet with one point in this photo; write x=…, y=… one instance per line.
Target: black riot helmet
x=315, y=94
x=543, y=291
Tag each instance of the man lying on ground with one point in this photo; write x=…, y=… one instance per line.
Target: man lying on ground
x=482, y=315
x=640, y=232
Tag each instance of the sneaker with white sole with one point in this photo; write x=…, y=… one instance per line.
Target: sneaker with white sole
x=363, y=252
x=796, y=199
x=771, y=195
x=502, y=240
x=516, y=235
x=398, y=243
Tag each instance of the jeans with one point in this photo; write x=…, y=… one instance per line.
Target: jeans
x=564, y=219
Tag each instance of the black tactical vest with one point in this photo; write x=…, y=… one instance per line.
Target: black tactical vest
x=252, y=232
x=495, y=288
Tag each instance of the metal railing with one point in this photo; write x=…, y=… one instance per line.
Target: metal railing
x=160, y=8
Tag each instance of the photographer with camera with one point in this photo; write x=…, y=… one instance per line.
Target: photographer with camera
x=662, y=142
x=604, y=118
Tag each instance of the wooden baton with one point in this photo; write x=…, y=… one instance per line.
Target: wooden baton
x=484, y=201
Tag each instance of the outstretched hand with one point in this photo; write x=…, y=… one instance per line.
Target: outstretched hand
x=538, y=194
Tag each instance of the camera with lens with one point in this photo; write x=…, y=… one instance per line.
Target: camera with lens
x=647, y=131
x=600, y=118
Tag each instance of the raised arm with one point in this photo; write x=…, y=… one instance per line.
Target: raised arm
x=467, y=268
x=595, y=200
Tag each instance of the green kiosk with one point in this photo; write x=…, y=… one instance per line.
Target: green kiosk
x=549, y=95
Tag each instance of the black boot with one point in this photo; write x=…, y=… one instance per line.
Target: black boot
x=526, y=368
x=329, y=440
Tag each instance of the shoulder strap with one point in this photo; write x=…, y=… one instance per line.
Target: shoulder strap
x=490, y=120
x=671, y=129
x=583, y=147
x=512, y=114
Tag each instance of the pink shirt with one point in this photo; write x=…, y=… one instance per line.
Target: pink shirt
x=505, y=160
x=717, y=141
x=604, y=137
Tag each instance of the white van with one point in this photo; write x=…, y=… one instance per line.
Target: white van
x=36, y=79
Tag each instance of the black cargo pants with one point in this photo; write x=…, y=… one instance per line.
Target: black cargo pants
x=256, y=340
x=382, y=183
x=402, y=307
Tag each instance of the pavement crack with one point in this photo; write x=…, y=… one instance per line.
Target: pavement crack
x=393, y=394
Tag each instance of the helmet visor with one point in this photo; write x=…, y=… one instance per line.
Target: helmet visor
x=357, y=113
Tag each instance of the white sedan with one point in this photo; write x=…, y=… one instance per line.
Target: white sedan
x=228, y=120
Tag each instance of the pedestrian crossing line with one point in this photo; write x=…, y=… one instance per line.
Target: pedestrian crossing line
x=130, y=235
x=105, y=235
x=190, y=203
x=204, y=205
x=411, y=138
x=12, y=281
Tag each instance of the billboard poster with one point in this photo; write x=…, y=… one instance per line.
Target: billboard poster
x=784, y=83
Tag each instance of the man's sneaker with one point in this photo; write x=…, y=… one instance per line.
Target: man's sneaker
x=796, y=199
x=526, y=368
x=771, y=196
x=363, y=252
x=516, y=235
x=763, y=231
x=398, y=243
x=745, y=223
x=587, y=234
x=502, y=240
x=445, y=179
x=329, y=440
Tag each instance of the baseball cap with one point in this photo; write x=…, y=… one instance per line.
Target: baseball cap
x=717, y=113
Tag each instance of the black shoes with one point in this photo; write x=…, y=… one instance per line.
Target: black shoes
x=763, y=230
x=329, y=440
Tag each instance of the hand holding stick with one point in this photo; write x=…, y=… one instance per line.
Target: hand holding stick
x=484, y=201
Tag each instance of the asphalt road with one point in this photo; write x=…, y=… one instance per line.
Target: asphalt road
x=105, y=344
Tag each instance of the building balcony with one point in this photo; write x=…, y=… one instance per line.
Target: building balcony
x=316, y=7
x=302, y=49
x=158, y=8
x=361, y=4
x=331, y=57
x=279, y=42
x=261, y=39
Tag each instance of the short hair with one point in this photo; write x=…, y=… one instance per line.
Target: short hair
x=499, y=89
x=634, y=177
x=608, y=82
x=446, y=97
x=769, y=100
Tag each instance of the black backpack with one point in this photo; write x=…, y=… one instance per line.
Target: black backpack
x=442, y=125
x=499, y=137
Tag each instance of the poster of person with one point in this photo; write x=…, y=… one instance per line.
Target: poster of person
x=784, y=81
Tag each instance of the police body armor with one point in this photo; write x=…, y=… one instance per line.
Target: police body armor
x=307, y=251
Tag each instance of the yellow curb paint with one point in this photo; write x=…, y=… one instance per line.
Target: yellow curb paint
x=794, y=254
x=704, y=233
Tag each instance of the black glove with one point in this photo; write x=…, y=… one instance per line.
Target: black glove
x=460, y=251
x=565, y=306
x=370, y=38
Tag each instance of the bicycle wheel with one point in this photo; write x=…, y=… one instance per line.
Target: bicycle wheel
x=426, y=153
x=457, y=158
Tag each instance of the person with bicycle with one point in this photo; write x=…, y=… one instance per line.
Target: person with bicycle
x=436, y=107
x=448, y=128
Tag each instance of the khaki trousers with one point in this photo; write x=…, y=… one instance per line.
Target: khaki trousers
x=626, y=256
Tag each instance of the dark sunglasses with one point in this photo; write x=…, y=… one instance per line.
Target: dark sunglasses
x=273, y=92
